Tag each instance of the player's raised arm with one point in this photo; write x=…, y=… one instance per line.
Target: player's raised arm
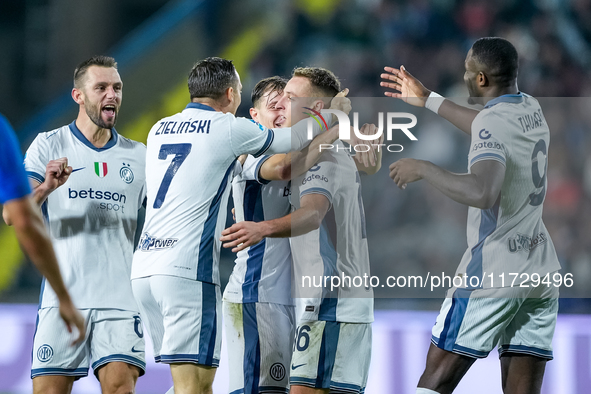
x=409, y=89
x=303, y=220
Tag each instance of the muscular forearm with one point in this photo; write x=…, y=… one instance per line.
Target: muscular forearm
x=297, y=223
x=40, y=193
x=462, y=188
x=459, y=116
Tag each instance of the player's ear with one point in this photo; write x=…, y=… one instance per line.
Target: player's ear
x=254, y=114
x=77, y=96
x=229, y=96
x=318, y=105
x=482, y=79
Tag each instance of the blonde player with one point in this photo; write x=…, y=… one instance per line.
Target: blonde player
x=338, y=358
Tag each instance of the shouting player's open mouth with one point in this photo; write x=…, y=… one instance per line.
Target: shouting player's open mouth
x=279, y=121
x=109, y=110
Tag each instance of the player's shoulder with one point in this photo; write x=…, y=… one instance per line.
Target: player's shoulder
x=237, y=122
x=128, y=143
x=53, y=137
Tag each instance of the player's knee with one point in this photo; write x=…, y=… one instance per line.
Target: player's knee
x=52, y=385
x=119, y=380
x=118, y=387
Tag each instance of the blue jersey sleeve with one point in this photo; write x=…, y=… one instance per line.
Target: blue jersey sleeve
x=14, y=183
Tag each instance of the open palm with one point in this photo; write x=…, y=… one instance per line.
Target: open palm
x=405, y=86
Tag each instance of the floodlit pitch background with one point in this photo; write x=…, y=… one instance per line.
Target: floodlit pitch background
x=156, y=42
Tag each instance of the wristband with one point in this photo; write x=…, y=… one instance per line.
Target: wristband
x=434, y=101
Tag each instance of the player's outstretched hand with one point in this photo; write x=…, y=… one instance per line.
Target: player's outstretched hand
x=405, y=86
x=57, y=173
x=242, y=235
x=405, y=171
x=370, y=157
x=341, y=102
x=73, y=318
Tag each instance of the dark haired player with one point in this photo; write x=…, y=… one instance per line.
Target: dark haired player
x=191, y=157
x=504, y=188
x=332, y=349
x=90, y=183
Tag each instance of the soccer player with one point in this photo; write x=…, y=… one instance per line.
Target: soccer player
x=191, y=157
x=504, y=189
x=257, y=305
x=28, y=224
x=258, y=308
x=332, y=347
x=90, y=181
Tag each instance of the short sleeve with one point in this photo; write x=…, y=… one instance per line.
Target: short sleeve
x=488, y=140
x=246, y=136
x=14, y=183
x=320, y=179
x=251, y=167
x=36, y=158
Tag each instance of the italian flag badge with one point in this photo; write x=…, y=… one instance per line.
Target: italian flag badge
x=100, y=169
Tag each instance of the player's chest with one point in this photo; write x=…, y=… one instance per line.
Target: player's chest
x=98, y=178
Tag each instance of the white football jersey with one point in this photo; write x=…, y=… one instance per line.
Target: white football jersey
x=92, y=217
x=263, y=271
x=189, y=165
x=337, y=248
x=510, y=237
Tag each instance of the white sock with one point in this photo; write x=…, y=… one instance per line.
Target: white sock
x=170, y=390
x=421, y=390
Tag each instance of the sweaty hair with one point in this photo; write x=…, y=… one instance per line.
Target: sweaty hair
x=211, y=77
x=271, y=84
x=324, y=82
x=499, y=56
x=101, y=61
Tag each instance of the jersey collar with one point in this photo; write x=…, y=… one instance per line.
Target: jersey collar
x=199, y=106
x=506, y=98
x=78, y=134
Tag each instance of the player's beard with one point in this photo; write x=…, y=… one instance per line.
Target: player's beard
x=94, y=113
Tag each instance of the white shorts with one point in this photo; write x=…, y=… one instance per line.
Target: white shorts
x=473, y=322
x=111, y=335
x=260, y=341
x=183, y=318
x=332, y=355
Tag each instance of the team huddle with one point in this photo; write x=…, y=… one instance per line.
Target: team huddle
x=298, y=211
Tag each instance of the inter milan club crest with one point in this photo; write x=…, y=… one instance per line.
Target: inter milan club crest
x=100, y=169
x=126, y=173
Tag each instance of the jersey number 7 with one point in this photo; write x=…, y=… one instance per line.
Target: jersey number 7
x=180, y=152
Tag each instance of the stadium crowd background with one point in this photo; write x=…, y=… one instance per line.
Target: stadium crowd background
x=417, y=228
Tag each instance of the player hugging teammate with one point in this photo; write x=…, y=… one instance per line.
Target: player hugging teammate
x=299, y=212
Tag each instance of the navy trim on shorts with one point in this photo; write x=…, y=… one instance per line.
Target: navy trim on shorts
x=119, y=358
x=207, y=336
x=522, y=349
x=453, y=320
x=465, y=351
x=252, y=348
x=345, y=388
x=81, y=372
x=300, y=381
x=184, y=358
x=328, y=353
